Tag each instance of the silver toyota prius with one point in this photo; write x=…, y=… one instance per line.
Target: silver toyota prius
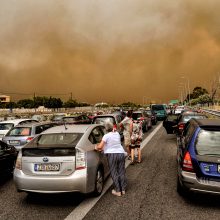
x=63, y=159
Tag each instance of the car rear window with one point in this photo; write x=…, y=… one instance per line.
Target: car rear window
x=20, y=131
x=70, y=119
x=58, y=139
x=157, y=107
x=103, y=120
x=208, y=143
x=188, y=117
x=6, y=126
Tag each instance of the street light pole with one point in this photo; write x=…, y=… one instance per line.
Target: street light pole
x=187, y=78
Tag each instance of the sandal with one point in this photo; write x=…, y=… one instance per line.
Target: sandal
x=139, y=161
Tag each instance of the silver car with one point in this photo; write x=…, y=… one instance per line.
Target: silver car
x=63, y=159
x=19, y=135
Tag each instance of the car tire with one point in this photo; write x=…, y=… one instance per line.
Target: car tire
x=99, y=182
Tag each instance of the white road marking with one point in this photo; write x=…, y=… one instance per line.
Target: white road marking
x=84, y=207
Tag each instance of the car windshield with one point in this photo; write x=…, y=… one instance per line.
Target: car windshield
x=157, y=107
x=6, y=126
x=58, y=139
x=69, y=119
x=20, y=131
x=208, y=143
x=103, y=120
x=186, y=118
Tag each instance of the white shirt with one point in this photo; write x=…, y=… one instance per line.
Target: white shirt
x=112, y=143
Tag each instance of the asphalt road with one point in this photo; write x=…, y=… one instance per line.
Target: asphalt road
x=151, y=193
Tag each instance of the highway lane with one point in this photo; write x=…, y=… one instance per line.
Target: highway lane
x=152, y=192
x=14, y=205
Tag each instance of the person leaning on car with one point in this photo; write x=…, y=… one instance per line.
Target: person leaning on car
x=115, y=153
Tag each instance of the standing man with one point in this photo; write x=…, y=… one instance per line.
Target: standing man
x=127, y=125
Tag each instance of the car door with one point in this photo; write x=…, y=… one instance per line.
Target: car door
x=96, y=137
x=7, y=157
x=170, y=123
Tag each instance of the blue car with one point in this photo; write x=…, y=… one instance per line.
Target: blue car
x=198, y=157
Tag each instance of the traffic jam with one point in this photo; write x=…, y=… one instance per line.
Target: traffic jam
x=58, y=156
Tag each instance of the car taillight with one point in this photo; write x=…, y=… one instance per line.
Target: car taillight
x=18, y=164
x=187, y=163
x=29, y=139
x=80, y=160
x=181, y=126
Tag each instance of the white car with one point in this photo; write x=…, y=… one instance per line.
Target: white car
x=179, y=109
x=5, y=126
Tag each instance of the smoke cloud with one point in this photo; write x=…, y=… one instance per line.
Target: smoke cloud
x=113, y=51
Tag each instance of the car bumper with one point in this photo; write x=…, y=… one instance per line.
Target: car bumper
x=76, y=182
x=190, y=181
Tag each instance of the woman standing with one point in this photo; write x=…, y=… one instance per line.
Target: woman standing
x=111, y=144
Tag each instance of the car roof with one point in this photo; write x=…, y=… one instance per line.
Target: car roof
x=14, y=121
x=34, y=124
x=207, y=122
x=70, y=128
x=105, y=115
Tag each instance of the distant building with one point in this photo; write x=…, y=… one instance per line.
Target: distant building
x=5, y=98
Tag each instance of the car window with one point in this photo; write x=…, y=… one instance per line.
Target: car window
x=59, y=138
x=20, y=131
x=208, y=143
x=6, y=126
x=189, y=133
x=103, y=120
x=96, y=135
x=39, y=129
x=135, y=116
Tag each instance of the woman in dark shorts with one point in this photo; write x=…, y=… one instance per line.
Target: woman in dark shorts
x=136, y=138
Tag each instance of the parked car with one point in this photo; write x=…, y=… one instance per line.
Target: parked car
x=160, y=111
x=152, y=115
x=22, y=134
x=63, y=159
x=58, y=117
x=176, y=123
x=141, y=116
x=5, y=126
x=114, y=118
x=198, y=156
x=8, y=156
x=76, y=119
x=179, y=109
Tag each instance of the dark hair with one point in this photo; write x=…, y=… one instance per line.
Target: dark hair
x=129, y=113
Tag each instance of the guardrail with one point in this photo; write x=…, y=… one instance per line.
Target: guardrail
x=212, y=112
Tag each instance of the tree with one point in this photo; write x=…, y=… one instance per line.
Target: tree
x=70, y=104
x=53, y=103
x=25, y=103
x=197, y=92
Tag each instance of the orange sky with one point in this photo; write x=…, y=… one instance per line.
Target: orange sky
x=112, y=51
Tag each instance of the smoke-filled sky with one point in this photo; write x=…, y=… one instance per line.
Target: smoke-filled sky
x=108, y=50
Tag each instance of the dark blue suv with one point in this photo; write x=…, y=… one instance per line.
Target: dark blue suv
x=198, y=157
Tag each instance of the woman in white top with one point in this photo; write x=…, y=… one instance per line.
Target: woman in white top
x=111, y=144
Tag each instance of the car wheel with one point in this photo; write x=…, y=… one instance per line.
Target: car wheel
x=99, y=182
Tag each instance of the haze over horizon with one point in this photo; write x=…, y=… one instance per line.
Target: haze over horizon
x=113, y=51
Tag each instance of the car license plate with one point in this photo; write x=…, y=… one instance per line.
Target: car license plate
x=47, y=167
x=14, y=142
